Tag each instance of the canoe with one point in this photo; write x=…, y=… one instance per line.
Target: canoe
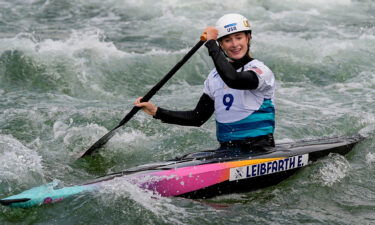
x=203, y=174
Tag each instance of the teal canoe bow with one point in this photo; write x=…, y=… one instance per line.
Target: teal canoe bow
x=44, y=194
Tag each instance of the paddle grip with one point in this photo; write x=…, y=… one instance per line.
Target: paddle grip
x=204, y=37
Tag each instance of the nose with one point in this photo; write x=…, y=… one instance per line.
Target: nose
x=234, y=42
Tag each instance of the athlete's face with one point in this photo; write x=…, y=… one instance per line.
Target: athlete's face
x=235, y=45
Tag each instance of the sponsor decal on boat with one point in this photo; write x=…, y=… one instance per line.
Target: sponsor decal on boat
x=270, y=167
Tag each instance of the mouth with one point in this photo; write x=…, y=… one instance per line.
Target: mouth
x=234, y=53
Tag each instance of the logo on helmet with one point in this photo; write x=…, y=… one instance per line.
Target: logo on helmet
x=246, y=23
x=231, y=27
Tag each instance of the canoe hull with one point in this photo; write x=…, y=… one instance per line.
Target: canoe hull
x=203, y=174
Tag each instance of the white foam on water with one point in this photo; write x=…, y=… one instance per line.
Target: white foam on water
x=127, y=137
x=126, y=141
x=92, y=39
x=301, y=50
x=333, y=170
x=79, y=64
x=122, y=190
x=172, y=5
x=367, y=36
x=18, y=163
x=75, y=46
x=284, y=140
x=332, y=47
x=324, y=2
x=87, y=51
x=368, y=130
x=141, y=146
x=156, y=52
x=22, y=41
x=292, y=13
x=78, y=136
x=60, y=128
x=90, y=130
x=370, y=158
x=67, y=61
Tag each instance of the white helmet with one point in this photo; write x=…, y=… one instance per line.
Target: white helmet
x=232, y=23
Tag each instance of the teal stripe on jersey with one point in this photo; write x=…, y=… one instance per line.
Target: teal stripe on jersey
x=261, y=122
x=241, y=135
x=267, y=103
x=256, y=117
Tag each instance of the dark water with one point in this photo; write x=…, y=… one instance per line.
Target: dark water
x=70, y=70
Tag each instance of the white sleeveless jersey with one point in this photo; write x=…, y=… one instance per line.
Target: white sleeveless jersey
x=233, y=105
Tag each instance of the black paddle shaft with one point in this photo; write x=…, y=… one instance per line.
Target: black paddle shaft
x=103, y=140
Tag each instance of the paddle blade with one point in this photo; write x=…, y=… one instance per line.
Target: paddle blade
x=98, y=144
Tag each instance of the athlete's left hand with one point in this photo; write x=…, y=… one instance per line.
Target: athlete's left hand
x=147, y=107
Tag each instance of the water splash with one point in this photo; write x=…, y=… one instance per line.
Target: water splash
x=370, y=158
x=77, y=138
x=19, y=165
x=333, y=170
x=121, y=190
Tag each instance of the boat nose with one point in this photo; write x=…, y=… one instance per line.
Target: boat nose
x=8, y=202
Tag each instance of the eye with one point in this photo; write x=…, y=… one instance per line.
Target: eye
x=226, y=40
x=239, y=37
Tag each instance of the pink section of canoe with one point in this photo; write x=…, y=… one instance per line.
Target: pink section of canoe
x=183, y=180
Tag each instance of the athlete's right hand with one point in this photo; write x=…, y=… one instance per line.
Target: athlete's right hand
x=147, y=107
x=210, y=33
